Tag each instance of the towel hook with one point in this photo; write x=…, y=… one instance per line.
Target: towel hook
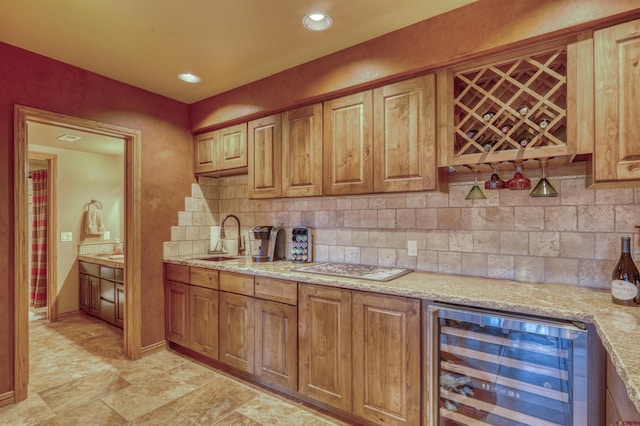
x=95, y=202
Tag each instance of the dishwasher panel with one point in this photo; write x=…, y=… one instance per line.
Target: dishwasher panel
x=500, y=369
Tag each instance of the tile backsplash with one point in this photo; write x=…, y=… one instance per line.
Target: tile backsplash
x=571, y=239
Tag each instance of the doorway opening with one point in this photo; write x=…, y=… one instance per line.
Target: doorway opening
x=23, y=116
x=42, y=172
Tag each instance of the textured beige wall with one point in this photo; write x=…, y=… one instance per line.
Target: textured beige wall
x=572, y=239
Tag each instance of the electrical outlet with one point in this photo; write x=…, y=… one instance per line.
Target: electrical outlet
x=412, y=248
x=66, y=236
x=106, y=235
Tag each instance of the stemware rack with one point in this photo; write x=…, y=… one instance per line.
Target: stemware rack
x=514, y=109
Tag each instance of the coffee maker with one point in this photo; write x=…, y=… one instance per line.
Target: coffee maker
x=267, y=243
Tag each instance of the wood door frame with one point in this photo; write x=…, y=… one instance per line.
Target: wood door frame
x=52, y=230
x=133, y=315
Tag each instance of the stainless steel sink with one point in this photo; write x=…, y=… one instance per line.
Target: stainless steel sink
x=215, y=258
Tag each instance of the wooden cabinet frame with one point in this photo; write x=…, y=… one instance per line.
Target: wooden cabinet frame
x=221, y=152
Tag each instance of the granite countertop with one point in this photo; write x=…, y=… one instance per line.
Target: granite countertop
x=617, y=326
x=112, y=260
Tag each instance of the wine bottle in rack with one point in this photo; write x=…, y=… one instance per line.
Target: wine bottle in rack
x=625, y=279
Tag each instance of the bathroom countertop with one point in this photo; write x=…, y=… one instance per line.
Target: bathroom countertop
x=617, y=326
x=103, y=259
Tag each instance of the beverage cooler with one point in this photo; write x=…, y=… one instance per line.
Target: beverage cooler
x=490, y=368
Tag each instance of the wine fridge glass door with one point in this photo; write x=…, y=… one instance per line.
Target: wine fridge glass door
x=493, y=368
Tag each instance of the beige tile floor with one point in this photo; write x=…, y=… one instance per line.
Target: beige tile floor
x=78, y=376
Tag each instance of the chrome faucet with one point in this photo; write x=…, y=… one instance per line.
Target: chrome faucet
x=222, y=233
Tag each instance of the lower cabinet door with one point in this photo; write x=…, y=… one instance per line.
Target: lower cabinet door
x=324, y=343
x=276, y=354
x=237, y=331
x=94, y=296
x=203, y=331
x=120, y=305
x=176, y=299
x=386, y=353
x=85, y=292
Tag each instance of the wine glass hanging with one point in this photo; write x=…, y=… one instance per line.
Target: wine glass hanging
x=544, y=188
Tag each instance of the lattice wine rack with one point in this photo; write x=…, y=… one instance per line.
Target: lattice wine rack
x=511, y=110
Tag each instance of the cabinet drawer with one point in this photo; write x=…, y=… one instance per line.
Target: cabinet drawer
x=204, y=277
x=179, y=273
x=90, y=268
x=236, y=283
x=277, y=290
x=107, y=273
x=107, y=290
x=119, y=275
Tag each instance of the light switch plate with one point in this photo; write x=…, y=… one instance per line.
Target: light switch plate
x=412, y=248
x=66, y=236
x=106, y=235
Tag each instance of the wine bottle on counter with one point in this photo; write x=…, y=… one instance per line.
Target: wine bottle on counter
x=625, y=279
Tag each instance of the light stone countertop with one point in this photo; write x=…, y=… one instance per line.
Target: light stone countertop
x=103, y=259
x=617, y=326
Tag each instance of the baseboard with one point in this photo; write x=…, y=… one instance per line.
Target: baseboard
x=70, y=314
x=156, y=347
x=6, y=399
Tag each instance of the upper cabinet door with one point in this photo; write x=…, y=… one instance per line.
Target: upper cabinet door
x=204, y=152
x=302, y=151
x=232, y=147
x=404, y=136
x=617, y=108
x=265, y=140
x=348, y=153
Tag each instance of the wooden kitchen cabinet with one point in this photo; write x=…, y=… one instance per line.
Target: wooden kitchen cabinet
x=324, y=345
x=276, y=338
x=276, y=332
x=616, y=158
x=191, y=308
x=382, y=140
x=222, y=151
x=386, y=345
x=619, y=408
x=285, y=154
x=526, y=104
x=348, y=144
x=119, y=316
x=405, y=136
x=203, y=321
x=237, y=322
x=265, y=157
x=176, y=297
x=302, y=151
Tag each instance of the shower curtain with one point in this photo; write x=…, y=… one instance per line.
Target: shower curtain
x=38, y=286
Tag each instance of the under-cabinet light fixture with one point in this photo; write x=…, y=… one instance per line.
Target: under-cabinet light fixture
x=317, y=21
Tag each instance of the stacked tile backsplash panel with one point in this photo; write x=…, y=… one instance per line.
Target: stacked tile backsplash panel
x=571, y=239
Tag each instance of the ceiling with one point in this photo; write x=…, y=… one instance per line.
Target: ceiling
x=47, y=135
x=228, y=43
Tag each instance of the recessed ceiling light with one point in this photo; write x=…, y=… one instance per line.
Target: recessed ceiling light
x=317, y=21
x=68, y=138
x=189, y=78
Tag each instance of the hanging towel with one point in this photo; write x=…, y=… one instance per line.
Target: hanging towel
x=93, y=220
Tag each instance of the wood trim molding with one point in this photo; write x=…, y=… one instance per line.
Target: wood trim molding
x=52, y=232
x=153, y=348
x=6, y=398
x=133, y=314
